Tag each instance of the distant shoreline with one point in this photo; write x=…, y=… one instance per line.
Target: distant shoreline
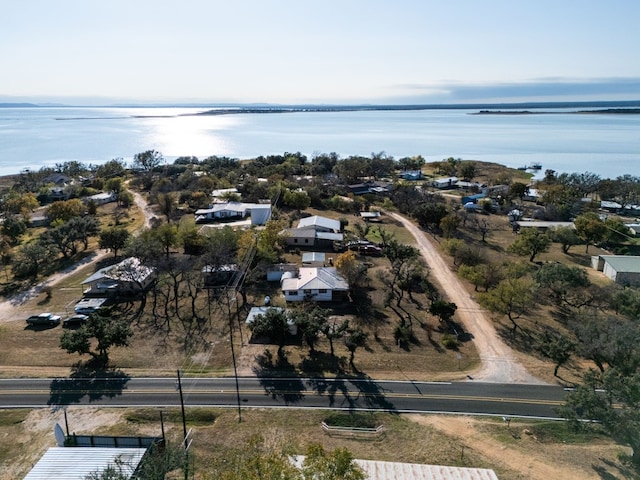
x=608, y=111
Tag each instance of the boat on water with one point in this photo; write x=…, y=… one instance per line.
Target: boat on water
x=533, y=166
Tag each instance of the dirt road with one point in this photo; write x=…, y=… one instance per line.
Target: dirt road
x=498, y=362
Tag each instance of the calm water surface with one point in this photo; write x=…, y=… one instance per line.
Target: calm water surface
x=608, y=145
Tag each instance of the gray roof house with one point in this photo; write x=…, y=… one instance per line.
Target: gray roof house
x=128, y=276
x=321, y=284
x=622, y=269
x=320, y=224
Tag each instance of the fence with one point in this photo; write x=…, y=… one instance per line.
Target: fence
x=374, y=432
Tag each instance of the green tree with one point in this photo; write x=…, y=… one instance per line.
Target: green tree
x=443, y=310
x=310, y=322
x=22, y=204
x=611, y=398
x=296, y=199
x=113, y=168
x=530, y=242
x=64, y=210
x=333, y=330
x=429, y=215
x=273, y=324
x=449, y=225
x=485, y=275
x=617, y=231
x=168, y=202
x=566, y=237
x=518, y=190
x=167, y=237
x=590, y=228
x=148, y=160
x=114, y=239
x=556, y=347
x=467, y=170
x=561, y=280
x=258, y=460
x=353, y=271
x=512, y=297
x=31, y=258
x=125, y=198
x=337, y=465
x=355, y=338
x=115, y=185
x=13, y=228
x=104, y=331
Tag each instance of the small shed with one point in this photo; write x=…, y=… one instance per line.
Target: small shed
x=622, y=269
x=313, y=259
x=275, y=272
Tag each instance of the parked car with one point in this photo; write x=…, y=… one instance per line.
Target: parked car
x=75, y=320
x=370, y=250
x=44, y=319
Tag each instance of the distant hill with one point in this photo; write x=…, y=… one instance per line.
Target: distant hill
x=17, y=105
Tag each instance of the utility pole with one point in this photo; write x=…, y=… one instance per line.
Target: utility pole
x=184, y=420
x=184, y=429
x=233, y=357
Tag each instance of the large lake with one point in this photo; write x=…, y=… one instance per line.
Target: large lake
x=606, y=144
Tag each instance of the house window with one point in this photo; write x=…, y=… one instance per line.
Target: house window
x=307, y=292
x=322, y=290
x=295, y=240
x=292, y=292
x=306, y=240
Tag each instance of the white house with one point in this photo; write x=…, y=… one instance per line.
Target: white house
x=321, y=284
x=320, y=224
x=308, y=237
x=128, y=276
x=445, y=183
x=260, y=213
x=102, y=198
x=622, y=269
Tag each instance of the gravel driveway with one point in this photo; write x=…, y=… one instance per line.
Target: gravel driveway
x=498, y=362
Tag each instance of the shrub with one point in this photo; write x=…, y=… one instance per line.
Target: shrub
x=449, y=341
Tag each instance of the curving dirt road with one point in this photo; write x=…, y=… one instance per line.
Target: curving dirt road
x=7, y=305
x=498, y=362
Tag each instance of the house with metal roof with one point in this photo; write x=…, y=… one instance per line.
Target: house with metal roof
x=128, y=276
x=622, y=269
x=77, y=463
x=321, y=284
x=320, y=224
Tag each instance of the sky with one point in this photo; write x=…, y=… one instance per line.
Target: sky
x=90, y=52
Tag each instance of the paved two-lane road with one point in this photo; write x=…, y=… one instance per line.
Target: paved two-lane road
x=463, y=397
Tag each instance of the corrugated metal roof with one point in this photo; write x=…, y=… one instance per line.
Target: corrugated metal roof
x=376, y=470
x=623, y=263
x=76, y=463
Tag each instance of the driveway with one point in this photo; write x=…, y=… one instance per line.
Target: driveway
x=498, y=362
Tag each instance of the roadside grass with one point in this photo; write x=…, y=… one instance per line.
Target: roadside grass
x=217, y=435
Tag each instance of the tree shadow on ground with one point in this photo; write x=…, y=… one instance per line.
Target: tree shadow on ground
x=521, y=339
x=88, y=381
x=626, y=471
x=319, y=362
x=279, y=377
x=369, y=394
